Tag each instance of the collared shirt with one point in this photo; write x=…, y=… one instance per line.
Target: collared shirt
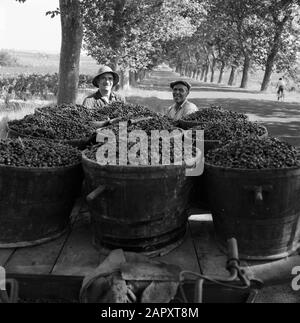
x=183, y=110
x=97, y=101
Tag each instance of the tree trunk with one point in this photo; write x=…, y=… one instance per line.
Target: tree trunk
x=195, y=73
x=221, y=73
x=143, y=75
x=191, y=71
x=213, y=65
x=182, y=69
x=206, y=73
x=202, y=72
x=268, y=73
x=272, y=56
x=72, y=34
x=186, y=70
x=132, y=78
x=124, y=79
x=232, y=75
x=246, y=69
x=198, y=73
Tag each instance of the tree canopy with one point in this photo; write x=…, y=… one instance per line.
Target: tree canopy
x=194, y=36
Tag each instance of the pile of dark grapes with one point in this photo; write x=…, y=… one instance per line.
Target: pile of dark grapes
x=65, y=122
x=214, y=113
x=126, y=111
x=255, y=153
x=228, y=131
x=36, y=153
x=147, y=124
x=72, y=122
x=155, y=123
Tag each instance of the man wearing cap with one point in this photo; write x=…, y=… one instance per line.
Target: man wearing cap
x=182, y=107
x=105, y=81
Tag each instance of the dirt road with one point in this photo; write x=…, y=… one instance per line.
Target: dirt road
x=281, y=118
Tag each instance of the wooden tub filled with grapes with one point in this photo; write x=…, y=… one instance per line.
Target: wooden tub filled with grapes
x=254, y=187
x=220, y=127
x=39, y=183
x=135, y=204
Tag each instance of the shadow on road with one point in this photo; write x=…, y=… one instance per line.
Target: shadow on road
x=281, y=119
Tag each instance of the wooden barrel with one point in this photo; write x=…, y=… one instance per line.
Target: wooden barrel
x=137, y=208
x=80, y=144
x=199, y=195
x=260, y=208
x=35, y=203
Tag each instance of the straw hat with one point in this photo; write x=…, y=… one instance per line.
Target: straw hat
x=105, y=69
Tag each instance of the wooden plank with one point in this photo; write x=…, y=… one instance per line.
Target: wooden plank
x=183, y=256
x=212, y=259
x=36, y=260
x=278, y=294
x=38, y=288
x=78, y=256
x=4, y=255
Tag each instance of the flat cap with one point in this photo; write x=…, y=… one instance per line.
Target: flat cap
x=188, y=85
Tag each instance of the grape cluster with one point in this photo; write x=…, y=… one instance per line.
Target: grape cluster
x=228, y=131
x=72, y=122
x=64, y=122
x=214, y=113
x=36, y=153
x=155, y=123
x=255, y=153
x=156, y=151
x=126, y=111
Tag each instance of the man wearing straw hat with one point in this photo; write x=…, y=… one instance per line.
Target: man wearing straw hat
x=105, y=80
x=182, y=107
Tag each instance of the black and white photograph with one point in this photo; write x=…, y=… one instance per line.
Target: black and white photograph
x=149, y=155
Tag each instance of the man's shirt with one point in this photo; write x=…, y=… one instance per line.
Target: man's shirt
x=281, y=83
x=97, y=101
x=183, y=110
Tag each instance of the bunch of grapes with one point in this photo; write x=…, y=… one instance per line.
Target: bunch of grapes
x=36, y=153
x=255, y=153
x=126, y=111
x=228, y=131
x=155, y=123
x=214, y=113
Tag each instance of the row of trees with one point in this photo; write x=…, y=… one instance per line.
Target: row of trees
x=195, y=36
x=129, y=35
x=241, y=34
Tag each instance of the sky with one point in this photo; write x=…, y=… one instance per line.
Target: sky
x=25, y=26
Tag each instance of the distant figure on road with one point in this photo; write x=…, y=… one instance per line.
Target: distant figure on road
x=281, y=88
x=105, y=80
x=182, y=107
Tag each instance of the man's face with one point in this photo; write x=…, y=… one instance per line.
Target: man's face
x=106, y=82
x=180, y=93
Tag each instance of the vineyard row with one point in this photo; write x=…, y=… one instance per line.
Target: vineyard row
x=35, y=85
